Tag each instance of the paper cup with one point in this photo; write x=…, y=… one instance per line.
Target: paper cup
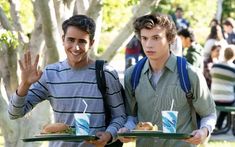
x=82, y=123
x=169, y=121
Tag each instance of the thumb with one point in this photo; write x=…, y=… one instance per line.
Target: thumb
x=122, y=130
x=39, y=73
x=98, y=134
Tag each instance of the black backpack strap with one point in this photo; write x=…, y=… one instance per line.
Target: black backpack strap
x=101, y=82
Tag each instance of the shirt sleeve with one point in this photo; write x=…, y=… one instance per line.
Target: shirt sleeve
x=131, y=122
x=115, y=101
x=19, y=106
x=209, y=122
x=203, y=102
x=130, y=102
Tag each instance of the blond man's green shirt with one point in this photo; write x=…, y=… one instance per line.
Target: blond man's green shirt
x=149, y=102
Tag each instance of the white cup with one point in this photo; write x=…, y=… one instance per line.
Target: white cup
x=169, y=121
x=82, y=123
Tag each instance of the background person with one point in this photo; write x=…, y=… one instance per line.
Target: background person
x=229, y=30
x=214, y=38
x=133, y=52
x=213, y=58
x=192, y=49
x=223, y=83
x=180, y=21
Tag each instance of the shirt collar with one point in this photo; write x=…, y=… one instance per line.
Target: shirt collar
x=170, y=64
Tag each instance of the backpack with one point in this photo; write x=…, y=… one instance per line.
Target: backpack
x=184, y=83
x=101, y=82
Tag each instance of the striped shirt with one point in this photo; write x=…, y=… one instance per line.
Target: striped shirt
x=65, y=88
x=223, y=82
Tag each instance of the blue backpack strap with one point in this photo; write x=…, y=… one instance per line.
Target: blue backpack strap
x=186, y=86
x=135, y=76
x=183, y=75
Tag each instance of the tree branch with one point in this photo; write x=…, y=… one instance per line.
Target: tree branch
x=4, y=21
x=15, y=14
x=50, y=30
x=123, y=36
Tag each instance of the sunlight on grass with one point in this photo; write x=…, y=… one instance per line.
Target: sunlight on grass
x=220, y=144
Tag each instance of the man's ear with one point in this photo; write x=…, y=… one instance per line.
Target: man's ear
x=92, y=42
x=172, y=40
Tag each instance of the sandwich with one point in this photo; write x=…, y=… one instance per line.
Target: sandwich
x=57, y=128
x=146, y=126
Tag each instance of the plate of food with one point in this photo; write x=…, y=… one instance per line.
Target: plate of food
x=146, y=129
x=59, y=132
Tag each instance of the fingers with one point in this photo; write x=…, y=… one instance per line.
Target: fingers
x=39, y=72
x=196, y=139
x=122, y=130
x=29, y=57
x=27, y=61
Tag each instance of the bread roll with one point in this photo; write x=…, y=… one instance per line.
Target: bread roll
x=55, y=128
x=146, y=126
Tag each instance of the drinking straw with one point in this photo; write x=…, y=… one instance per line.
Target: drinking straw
x=85, y=105
x=172, y=103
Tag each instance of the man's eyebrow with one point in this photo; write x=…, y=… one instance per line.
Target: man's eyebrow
x=151, y=36
x=82, y=40
x=70, y=37
x=156, y=35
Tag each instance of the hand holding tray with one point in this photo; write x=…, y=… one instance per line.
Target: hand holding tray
x=157, y=134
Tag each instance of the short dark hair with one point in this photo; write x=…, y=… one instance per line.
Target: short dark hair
x=151, y=20
x=229, y=52
x=187, y=33
x=82, y=22
x=229, y=22
x=179, y=9
x=214, y=47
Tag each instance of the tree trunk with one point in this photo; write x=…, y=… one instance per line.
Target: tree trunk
x=50, y=30
x=219, y=9
x=81, y=7
x=4, y=21
x=125, y=33
x=95, y=12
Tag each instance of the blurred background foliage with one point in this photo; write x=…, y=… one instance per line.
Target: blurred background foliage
x=25, y=8
x=117, y=13
x=228, y=9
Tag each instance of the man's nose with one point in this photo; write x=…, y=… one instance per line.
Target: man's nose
x=76, y=47
x=149, y=43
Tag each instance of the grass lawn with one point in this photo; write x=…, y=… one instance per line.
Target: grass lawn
x=220, y=144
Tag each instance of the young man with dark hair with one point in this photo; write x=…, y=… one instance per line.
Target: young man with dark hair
x=159, y=84
x=65, y=84
x=180, y=22
x=192, y=50
x=229, y=29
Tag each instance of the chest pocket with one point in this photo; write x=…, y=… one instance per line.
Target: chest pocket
x=175, y=92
